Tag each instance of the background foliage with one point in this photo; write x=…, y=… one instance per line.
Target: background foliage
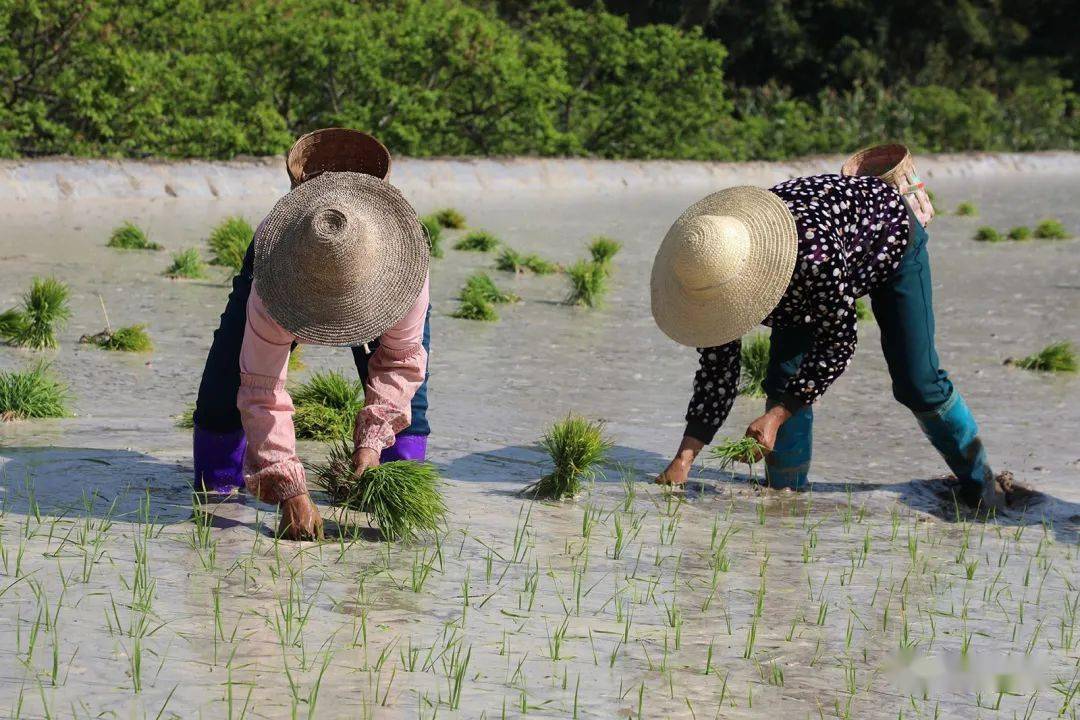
x=703, y=79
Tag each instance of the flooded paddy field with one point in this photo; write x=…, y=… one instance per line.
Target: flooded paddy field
x=867, y=597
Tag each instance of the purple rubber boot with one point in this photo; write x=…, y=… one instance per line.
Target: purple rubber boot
x=219, y=461
x=406, y=447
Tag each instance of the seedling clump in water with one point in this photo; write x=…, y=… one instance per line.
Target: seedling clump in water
x=603, y=250
x=44, y=310
x=512, y=261
x=130, y=236
x=478, y=241
x=988, y=234
x=1051, y=229
x=186, y=264
x=186, y=419
x=326, y=406
x=1020, y=232
x=402, y=496
x=577, y=447
x=31, y=394
x=229, y=242
x=474, y=304
x=588, y=283
x=967, y=209
x=863, y=311
x=1059, y=357
x=434, y=229
x=132, y=338
x=450, y=218
x=482, y=284
x=754, y=359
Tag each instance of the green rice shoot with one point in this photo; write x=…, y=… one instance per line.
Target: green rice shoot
x=1059, y=357
x=402, y=497
x=482, y=284
x=510, y=260
x=296, y=361
x=130, y=236
x=738, y=450
x=186, y=265
x=477, y=241
x=133, y=338
x=474, y=305
x=754, y=363
x=434, y=231
x=1051, y=229
x=603, y=250
x=32, y=394
x=229, y=242
x=577, y=448
x=588, y=283
x=186, y=419
x=326, y=406
x=988, y=234
x=450, y=218
x=1019, y=233
x=967, y=209
x=44, y=310
x=863, y=311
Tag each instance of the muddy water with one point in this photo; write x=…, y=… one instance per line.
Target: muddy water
x=805, y=606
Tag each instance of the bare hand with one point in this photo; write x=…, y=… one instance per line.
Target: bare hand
x=764, y=430
x=364, y=458
x=300, y=519
x=678, y=470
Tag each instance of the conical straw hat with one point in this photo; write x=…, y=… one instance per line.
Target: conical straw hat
x=340, y=259
x=723, y=266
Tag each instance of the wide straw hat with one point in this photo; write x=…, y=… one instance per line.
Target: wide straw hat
x=340, y=259
x=336, y=150
x=723, y=266
x=893, y=164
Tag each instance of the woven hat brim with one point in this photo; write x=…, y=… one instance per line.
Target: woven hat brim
x=301, y=305
x=336, y=150
x=745, y=300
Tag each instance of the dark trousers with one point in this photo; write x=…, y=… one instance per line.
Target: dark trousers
x=215, y=407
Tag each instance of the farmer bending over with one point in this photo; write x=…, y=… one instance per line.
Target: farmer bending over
x=341, y=260
x=795, y=258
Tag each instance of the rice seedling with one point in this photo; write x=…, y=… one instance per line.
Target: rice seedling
x=474, y=305
x=130, y=236
x=510, y=260
x=31, y=394
x=296, y=362
x=187, y=265
x=1020, y=232
x=967, y=209
x=434, y=230
x=229, y=242
x=863, y=311
x=326, y=406
x=132, y=338
x=402, y=497
x=186, y=419
x=576, y=446
x=450, y=218
x=44, y=310
x=1051, y=229
x=754, y=360
x=477, y=241
x=588, y=283
x=603, y=250
x=988, y=234
x=1059, y=357
x=481, y=284
x=745, y=450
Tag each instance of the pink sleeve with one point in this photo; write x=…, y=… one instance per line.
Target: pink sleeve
x=396, y=371
x=272, y=471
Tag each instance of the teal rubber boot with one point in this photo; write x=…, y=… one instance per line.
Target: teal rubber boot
x=952, y=430
x=789, y=464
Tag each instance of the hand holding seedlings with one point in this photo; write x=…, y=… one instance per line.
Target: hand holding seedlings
x=763, y=431
x=300, y=519
x=363, y=459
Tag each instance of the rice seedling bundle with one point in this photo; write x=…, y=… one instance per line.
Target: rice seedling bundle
x=510, y=260
x=1051, y=229
x=604, y=249
x=863, y=311
x=577, y=448
x=988, y=234
x=402, y=497
x=44, y=310
x=130, y=236
x=1020, y=232
x=588, y=283
x=754, y=360
x=132, y=338
x=1059, y=357
x=31, y=394
x=474, y=305
x=482, y=284
x=326, y=406
x=478, y=241
x=967, y=209
x=433, y=228
x=741, y=450
x=450, y=218
x=186, y=419
x=186, y=264
x=229, y=242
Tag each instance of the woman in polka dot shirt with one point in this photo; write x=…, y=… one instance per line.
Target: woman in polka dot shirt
x=855, y=237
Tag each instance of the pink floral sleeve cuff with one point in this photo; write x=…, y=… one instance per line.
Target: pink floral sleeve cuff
x=278, y=482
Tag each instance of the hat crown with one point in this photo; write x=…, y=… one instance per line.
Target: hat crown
x=712, y=252
x=335, y=246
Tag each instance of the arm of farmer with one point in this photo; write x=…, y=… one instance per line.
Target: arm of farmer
x=396, y=371
x=272, y=471
x=715, y=387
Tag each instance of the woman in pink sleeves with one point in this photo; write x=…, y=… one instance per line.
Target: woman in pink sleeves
x=341, y=260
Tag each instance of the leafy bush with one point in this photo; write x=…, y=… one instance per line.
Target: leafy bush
x=988, y=234
x=1020, y=232
x=186, y=264
x=577, y=447
x=326, y=406
x=44, y=310
x=754, y=361
x=133, y=338
x=434, y=234
x=1051, y=230
x=130, y=236
x=478, y=241
x=229, y=242
x=31, y=394
x=588, y=283
x=450, y=219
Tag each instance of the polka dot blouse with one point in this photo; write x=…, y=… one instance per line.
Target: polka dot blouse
x=852, y=234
